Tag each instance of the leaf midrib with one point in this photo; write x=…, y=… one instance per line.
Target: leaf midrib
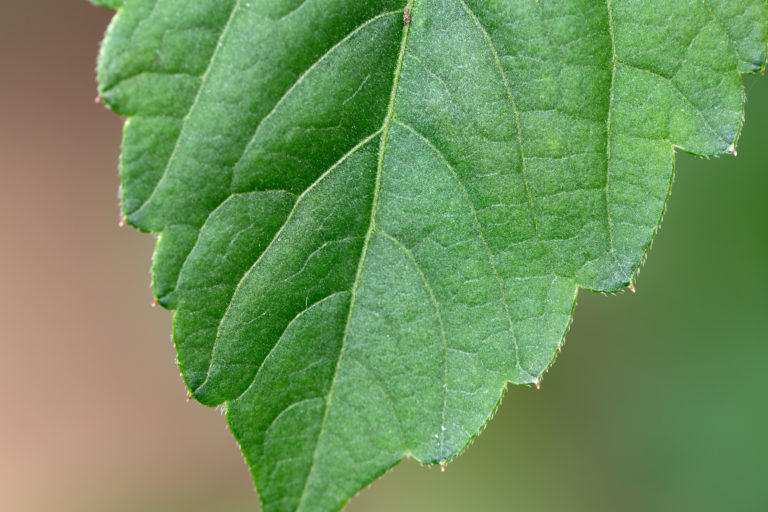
x=304, y=193
x=380, y=165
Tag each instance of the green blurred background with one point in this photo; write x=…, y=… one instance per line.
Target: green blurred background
x=658, y=402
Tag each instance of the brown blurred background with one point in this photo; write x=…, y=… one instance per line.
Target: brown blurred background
x=659, y=401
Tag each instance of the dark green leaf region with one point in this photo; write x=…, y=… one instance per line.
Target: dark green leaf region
x=371, y=220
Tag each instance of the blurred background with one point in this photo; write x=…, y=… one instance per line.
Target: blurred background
x=659, y=400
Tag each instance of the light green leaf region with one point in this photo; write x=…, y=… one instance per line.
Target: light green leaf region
x=368, y=227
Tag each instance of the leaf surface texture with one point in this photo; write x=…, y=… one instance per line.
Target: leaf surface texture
x=367, y=227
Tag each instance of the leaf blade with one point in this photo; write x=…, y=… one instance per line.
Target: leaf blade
x=431, y=215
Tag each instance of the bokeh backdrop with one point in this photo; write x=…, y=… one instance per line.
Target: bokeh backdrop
x=659, y=400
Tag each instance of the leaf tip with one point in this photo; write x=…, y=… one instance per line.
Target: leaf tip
x=538, y=383
x=632, y=287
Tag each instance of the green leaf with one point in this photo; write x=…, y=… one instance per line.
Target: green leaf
x=368, y=227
